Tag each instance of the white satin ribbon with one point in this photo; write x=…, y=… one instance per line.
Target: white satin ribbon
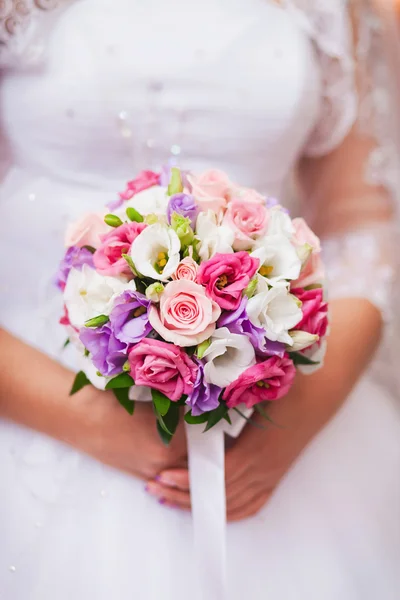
x=208, y=497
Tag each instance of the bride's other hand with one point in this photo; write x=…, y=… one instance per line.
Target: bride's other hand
x=261, y=457
x=34, y=392
x=128, y=443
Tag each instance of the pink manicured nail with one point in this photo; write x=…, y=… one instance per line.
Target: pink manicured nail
x=162, y=501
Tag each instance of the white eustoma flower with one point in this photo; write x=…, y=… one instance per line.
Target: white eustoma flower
x=213, y=237
x=317, y=354
x=278, y=258
x=156, y=244
x=88, y=294
x=280, y=223
x=228, y=355
x=153, y=200
x=276, y=310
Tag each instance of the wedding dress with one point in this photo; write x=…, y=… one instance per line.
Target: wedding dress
x=91, y=92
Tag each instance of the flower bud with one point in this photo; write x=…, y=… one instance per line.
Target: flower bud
x=112, y=220
x=175, y=184
x=154, y=291
x=251, y=288
x=181, y=225
x=301, y=340
x=97, y=321
x=134, y=215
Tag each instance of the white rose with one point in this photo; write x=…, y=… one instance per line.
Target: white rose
x=278, y=258
x=153, y=200
x=228, y=355
x=213, y=237
x=159, y=245
x=88, y=294
x=276, y=310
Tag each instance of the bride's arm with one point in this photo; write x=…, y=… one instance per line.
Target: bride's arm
x=34, y=392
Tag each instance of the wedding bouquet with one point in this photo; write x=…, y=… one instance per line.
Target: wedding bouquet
x=195, y=292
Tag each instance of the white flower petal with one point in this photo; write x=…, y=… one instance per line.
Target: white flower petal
x=152, y=200
x=88, y=294
x=276, y=251
x=227, y=357
x=146, y=247
x=213, y=237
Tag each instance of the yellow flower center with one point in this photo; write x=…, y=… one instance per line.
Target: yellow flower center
x=262, y=384
x=140, y=310
x=222, y=282
x=266, y=270
x=162, y=259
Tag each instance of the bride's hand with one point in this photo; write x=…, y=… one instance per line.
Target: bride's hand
x=128, y=443
x=254, y=465
x=261, y=457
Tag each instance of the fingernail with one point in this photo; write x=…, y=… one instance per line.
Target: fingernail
x=162, y=501
x=167, y=480
x=146, y=488
x=157, y=478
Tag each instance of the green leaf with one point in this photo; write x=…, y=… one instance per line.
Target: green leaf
x=165, y=437
x=228, y=418
x=123, y=380
x=122, y=395
x=130, y=263
x=259, y=408
x=112, y=220
x=214, y=416
x=97, y=321
x=300, y=359
x=192, y=420
x=66, y=343
x=170, y=421
x=250, y=421
x=90, y=248
x=134, y=215
x=80, y=382
x=161, y=402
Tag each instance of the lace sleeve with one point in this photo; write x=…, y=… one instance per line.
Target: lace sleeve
x=326, y=23
x=21, y=23
x=352, y=192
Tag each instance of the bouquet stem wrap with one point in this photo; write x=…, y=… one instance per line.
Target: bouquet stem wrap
x=207, y=488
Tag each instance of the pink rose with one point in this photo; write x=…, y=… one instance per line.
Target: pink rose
x=187, y=269
x=86, y=231
x=313, y=270
x=186, y=316
x=315, y=311
x=247, y=195
x=143, y=181
x=268, y=380
x=225, y=276
x=108, y=258
x=248, y=221
x=212, y=190
x=163, y=367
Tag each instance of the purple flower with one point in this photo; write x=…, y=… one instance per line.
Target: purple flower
x=129, y=317
x=205, y=396
x=238, y=322
x=183, y=204
x=107, y=353
x=75, y=257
